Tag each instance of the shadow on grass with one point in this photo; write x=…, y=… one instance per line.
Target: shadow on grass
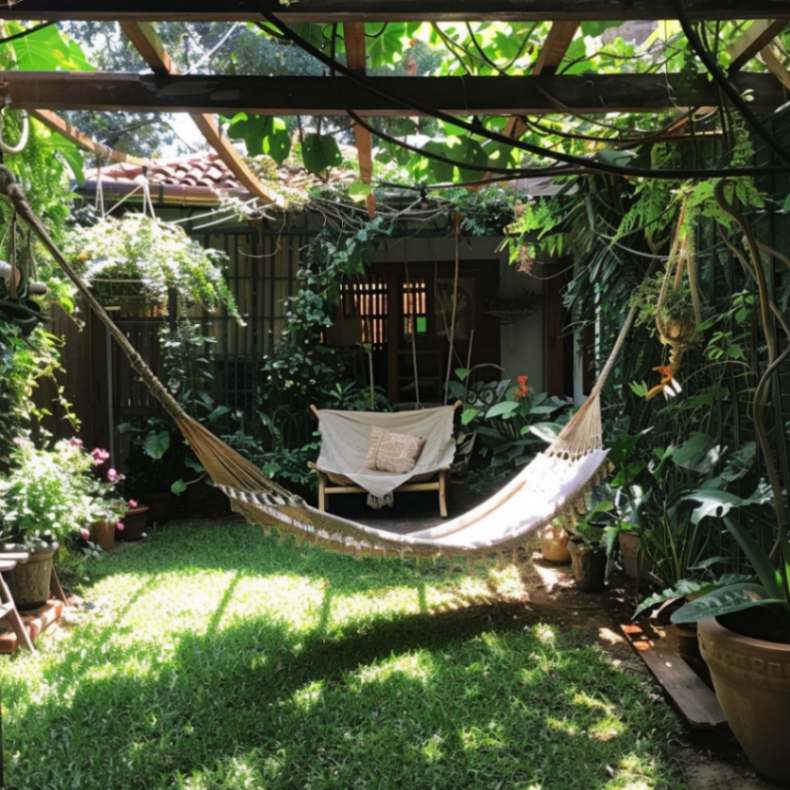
x=191, y=547
x=477, y=697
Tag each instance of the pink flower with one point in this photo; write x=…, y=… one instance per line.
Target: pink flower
x=75, y=442
x=132, y=503
x=20, y=441
x=85, y=533
x=120, y=526
x=113, y=475
x=99, y=456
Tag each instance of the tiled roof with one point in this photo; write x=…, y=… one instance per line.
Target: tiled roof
x=198, y=170
x=200, y=176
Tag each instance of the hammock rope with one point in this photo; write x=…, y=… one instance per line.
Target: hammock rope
x=554, y=486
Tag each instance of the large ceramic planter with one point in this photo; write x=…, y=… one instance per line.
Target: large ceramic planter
x=554, y=544
x=589, y=566
x=134, y=523
x=103, y=534
x=752, y=682
x=29, y=582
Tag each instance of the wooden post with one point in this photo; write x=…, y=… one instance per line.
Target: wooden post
x=443, y=493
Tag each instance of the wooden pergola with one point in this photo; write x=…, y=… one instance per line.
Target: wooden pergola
x=541, y=92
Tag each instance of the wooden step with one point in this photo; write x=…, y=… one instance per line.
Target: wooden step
x=692, y=697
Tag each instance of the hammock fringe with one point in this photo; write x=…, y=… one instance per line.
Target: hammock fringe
x=553, y=486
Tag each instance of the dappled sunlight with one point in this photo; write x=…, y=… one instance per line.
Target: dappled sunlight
x=415, y=666
x=305, y=698
x=227, y=677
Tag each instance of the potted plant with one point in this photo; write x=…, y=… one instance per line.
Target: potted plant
x=134, y=521
x=108, y=507
x=47, y=496
x=588, y=546
x=744, y=627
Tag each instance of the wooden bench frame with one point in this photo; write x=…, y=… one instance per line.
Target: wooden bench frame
x=327, y=488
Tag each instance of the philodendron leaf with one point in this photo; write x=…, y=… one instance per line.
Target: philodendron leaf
x=468, y=414
x=156, y=444
x=697, y=454
x=503, y=409
x=178, y=487
x=548, y=431
x=758, y=558
x=725, y=600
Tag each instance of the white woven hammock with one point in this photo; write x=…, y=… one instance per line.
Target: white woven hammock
x=552, y=487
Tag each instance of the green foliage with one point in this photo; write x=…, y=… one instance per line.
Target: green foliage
x=49, y=494
x=503, y=428
x=24, y=363
x=159, y=254
x=262, y=134
x=320, y=152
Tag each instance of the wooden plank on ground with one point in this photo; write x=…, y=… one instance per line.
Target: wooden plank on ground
x=695, y=701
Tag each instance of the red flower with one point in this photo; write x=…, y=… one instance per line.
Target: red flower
x=523, y=387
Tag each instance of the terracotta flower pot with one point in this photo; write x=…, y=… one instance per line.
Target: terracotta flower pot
x=554, y=544
x=134, y=523
x=635, y=564
x=752, y=682
x=30, y=582
x=103, y=533
x=589, y=566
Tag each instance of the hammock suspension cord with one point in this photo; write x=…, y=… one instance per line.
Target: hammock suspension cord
x=552, y=487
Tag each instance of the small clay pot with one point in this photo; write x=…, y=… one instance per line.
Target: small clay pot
x=589, y=566
x=554, y=544
x=103, y=534
x=134, y=524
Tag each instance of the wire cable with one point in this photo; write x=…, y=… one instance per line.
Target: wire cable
x=480, y=130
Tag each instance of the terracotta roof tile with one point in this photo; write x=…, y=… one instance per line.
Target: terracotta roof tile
x=206, y=171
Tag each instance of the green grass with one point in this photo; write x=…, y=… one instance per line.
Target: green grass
x=216, y=657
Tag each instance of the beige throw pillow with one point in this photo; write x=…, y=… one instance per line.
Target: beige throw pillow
x=393, y=452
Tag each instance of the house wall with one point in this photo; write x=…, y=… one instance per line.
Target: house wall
x=522, y=339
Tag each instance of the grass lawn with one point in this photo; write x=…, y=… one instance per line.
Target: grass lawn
x=215, y=657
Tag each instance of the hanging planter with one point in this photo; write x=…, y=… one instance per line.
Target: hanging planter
x=144, y=258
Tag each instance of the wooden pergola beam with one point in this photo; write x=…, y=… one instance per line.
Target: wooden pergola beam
x=529, y=95
x=150, y=46
x=343, y=11
x=754, y=39
x=551, y=54
x=774, y=64
x=101, y=151
x=354, y=38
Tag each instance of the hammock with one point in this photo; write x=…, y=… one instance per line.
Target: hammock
x=553, y=487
